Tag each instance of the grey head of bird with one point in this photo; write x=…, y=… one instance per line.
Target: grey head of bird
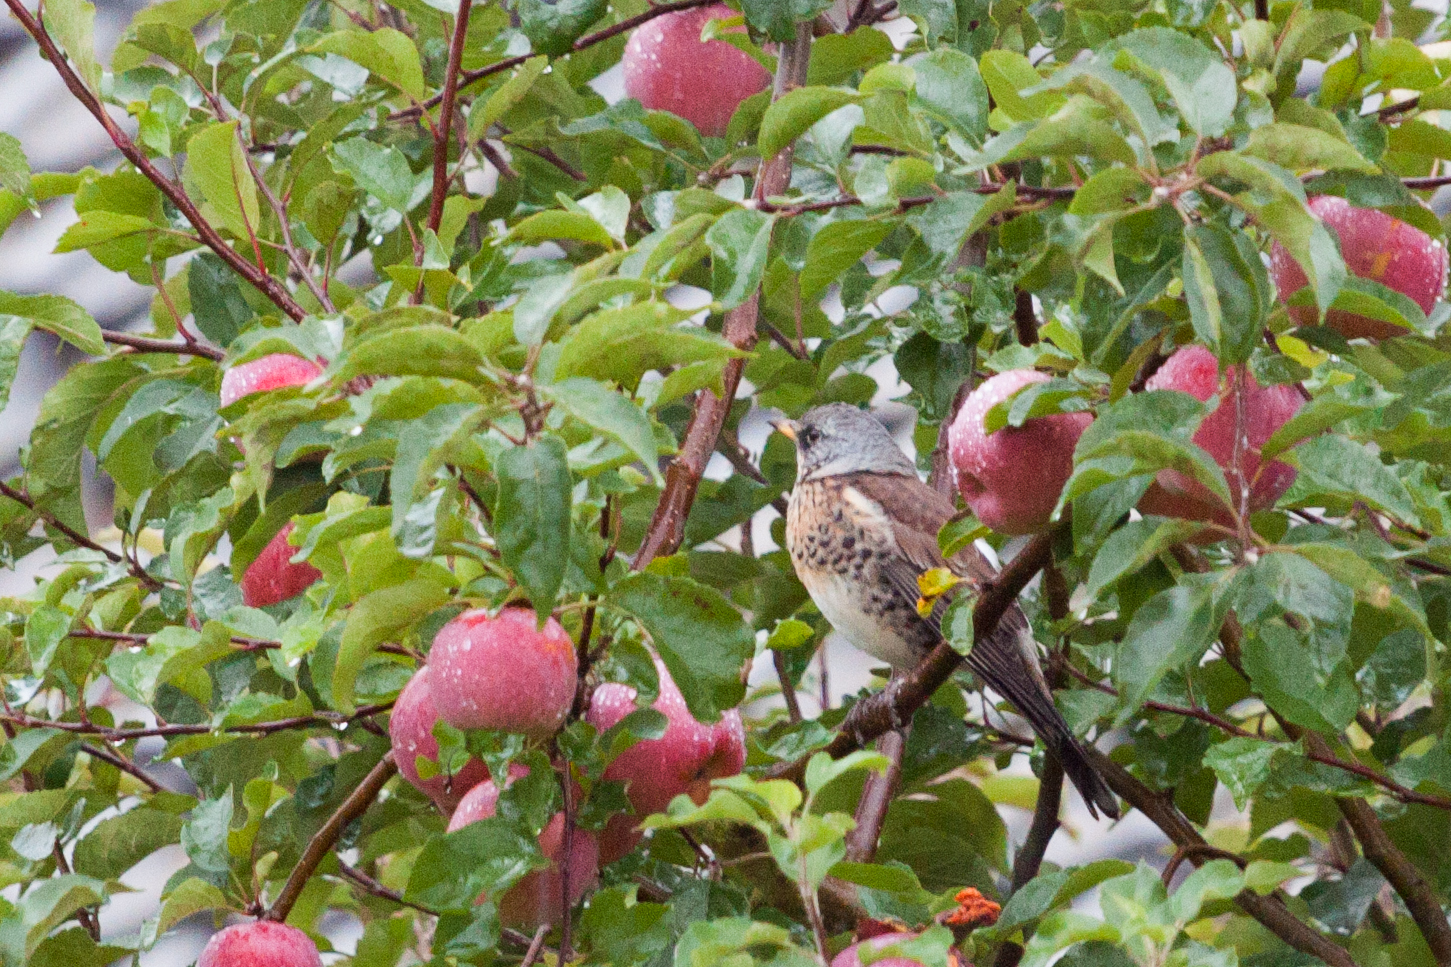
x=838, y=438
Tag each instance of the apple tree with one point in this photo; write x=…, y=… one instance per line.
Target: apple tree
x=419, y=605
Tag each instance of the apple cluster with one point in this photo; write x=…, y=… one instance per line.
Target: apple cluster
x=989, y=467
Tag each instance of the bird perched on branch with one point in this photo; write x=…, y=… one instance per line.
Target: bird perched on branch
x=862, y=528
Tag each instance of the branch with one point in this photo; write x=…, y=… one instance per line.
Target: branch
x=1030, y=857
x=443, y=133
x=148, y=345
x=1270, y=911
x=1025, y=321
x=910, y=202
x=877, y=794
x=879, y=714
x=124, y=764
x=76, y=537
x=254, y=275
x=682, y=480
x=114, y=735
x=322, y=843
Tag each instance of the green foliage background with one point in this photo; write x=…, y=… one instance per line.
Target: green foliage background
x=499, y=421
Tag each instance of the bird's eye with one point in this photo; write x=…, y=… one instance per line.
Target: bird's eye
x=809, y=435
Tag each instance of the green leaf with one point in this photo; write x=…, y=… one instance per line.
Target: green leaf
x=380, y=616
x=1219, y=879
x=531, y=517
x=700, y=637
x=740, y=241
x=596, y=405
x=1133, y=546
x=835, y=248
x=1319, y=414
x=204, y=836
x=621, y=345
x=553, y=26
x=795, y=112
x=777, y=19
x=117, y=844
x=1394, y=670
x=1307, y=31
x=216, y=170
x=822, y=769
x=1227, y=289
x=1334, y=465
x=174, y=654
x=452, y=870
x=45, y=629
x=1171, y=630
x=1242, y=765
x=45, y=905
x=72, y=23
x=1202, y=86
x=486, y=112
x=1299, y=148
x=949, y=84
x=387, y=53
x=1006, y=73
x=380, y=170
x=55, y=314
x=15, y=170
x=428, y=350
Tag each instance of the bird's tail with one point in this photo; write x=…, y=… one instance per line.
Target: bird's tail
x=1008, y=663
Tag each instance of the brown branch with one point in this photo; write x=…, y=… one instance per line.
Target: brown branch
x=255, y=276
x=443, y=133
x=1030, y=857
x=124, y=764
x=323, y=841
x=877, y=795
x=1025, y=320
x=536, y=946
x=1435, y=181
x=85, y=915
x=912, y=201
x=881, y=713
x=76, y=537
x=682, y=479
x=788, y=690
x=1270, y=911
x=147, y=345
x=114, y=735
x=243, y=642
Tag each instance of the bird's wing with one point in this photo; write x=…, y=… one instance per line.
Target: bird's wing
x=917, y=513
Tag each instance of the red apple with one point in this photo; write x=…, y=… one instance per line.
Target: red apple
x=1195, y=371
x=268, y=373
x=502, y=672
x=852, y=956
x=261, y=943
x=683, y=760
x=1012, y=478
x=536, y=898
x=273, y=576
x=667, y=68
x=411, y=729
x=1377, y=247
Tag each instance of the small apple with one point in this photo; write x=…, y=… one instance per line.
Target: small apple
x=260, y=943
x=683, y=760
x=1012, y=478
x=411, y=729
x=503, y=672
x=273, y=576
x=536, y=898
x=1195, y=371
x=1376, y=247
x=668, y=68
x=268, y=373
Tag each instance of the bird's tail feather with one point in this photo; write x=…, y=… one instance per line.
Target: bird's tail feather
x=1002, y=663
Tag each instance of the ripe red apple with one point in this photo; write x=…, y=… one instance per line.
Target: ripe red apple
x=503, y=672
x=1012, y=478
x=411, y=729
x=683, y=760
x=1195, y=371
x=1377, y=247
x=667, y=68
x=261, y=943
x=268, y=373
x=536, y=898
x=852, y=956
x=273, y=576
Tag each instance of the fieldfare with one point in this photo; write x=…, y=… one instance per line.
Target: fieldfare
x=861, y=527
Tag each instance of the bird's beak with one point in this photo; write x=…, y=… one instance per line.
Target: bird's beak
x=787, y=428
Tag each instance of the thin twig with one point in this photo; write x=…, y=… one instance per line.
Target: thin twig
x=114, y=735
x=536, y=946
x=147, y=345
x=85, y=915
x=323, y=841
x=788, y=689
x=124, y=764
x=444, y=130
x=255, y=276
x=76, y=537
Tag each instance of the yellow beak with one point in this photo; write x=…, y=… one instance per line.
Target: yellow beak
x=787, y=428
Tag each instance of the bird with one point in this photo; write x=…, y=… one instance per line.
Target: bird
x=861, y=527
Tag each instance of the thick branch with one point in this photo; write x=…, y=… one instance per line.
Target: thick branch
x=146, y=344
x=879, y=714
x=254, y=275
x=877, y=794
x=1270, y=911
x=682, y=480
x=322, y=843
x=443, y=133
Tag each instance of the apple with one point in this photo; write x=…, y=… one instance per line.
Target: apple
x=1012, y=478
x=1195, y=371
x=268, y=373
x=260, y=943
x=1377, y=247
x=683, y=760
x=503, y=672
x=411, y=729
x=668, y=68
x=535, y=899
x=273, y=576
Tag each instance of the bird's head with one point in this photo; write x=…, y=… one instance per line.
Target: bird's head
x=839, y=438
